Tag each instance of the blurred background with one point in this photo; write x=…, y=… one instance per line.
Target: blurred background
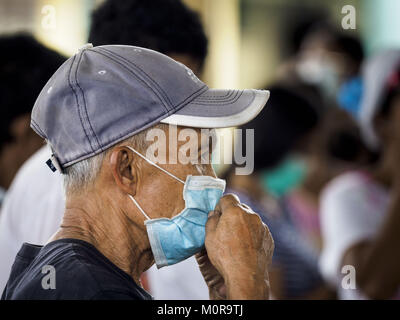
x=248, y=38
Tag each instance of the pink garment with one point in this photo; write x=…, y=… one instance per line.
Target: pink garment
x=305, y=217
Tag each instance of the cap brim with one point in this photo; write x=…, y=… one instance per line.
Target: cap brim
x=217, y=108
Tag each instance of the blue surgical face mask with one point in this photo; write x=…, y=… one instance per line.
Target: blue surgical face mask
x=176, y=239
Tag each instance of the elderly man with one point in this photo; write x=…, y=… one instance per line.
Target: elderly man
x=34, y=220
x=124, y=211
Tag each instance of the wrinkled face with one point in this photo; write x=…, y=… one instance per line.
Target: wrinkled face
x=184, y=158
x=178, y=150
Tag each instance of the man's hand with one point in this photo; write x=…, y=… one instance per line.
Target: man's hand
x=214, y=280
x=239, y=250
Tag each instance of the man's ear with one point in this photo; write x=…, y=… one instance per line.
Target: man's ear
x=123, y=171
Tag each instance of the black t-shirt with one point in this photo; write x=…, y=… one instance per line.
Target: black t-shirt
x=68, y=269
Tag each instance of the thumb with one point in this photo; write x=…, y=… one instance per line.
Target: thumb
x=212, y=222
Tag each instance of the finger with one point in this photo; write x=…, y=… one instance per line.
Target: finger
x=222, y=290
x=200, y=258
x=203, y=260
x=215, y=281
x=246, y=206
x=248, y=209
x=227, y=201
x=201, y=254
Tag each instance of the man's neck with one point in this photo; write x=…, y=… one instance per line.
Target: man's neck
x=111, y=231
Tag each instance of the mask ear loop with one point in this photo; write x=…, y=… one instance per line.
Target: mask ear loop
x=139, y=207
x=156, y=165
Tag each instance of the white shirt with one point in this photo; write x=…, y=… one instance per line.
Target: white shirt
x=352, y=209
x=182, y=281
x=32, y=212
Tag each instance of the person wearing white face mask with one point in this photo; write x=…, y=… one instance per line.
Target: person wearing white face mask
x=328, y=59
x=132, y=212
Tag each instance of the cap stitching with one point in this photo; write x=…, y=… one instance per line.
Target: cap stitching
x=226, y=97
x=77, y=101
x=84, y=101
x=151, y=80
x=223, y=103
x=227, y=94
x=233, y=100
x=232, y=96
x=131, y=72
x=196, y=94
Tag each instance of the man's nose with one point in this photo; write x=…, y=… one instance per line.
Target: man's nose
x=210, y=171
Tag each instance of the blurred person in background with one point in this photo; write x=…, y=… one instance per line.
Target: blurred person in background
x=360, y=209
x=281, y=129
x=330, y=60
x=326, y=68
x=334, y=147
x=25, y=67
x=34, y=209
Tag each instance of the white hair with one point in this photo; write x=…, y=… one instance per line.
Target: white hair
x=83, y=173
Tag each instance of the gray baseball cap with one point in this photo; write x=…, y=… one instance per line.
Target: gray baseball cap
x=103, y=95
